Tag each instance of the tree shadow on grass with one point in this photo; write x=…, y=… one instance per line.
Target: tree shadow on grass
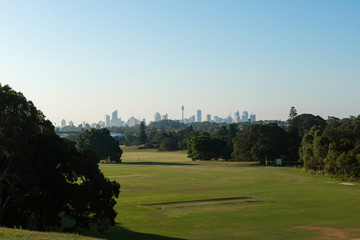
x=158, y=163
x=118, y=232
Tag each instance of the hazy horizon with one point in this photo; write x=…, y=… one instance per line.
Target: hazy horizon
x=80, y=60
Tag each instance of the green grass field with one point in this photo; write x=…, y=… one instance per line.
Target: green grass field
x=165, y=195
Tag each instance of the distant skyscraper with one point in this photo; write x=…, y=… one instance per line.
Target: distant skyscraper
x=252, y=117
x=237, y=117
x=198, y=115
x=244, y=116
x=133, y=122
x=71, y=123
x=165, y=117
x=208, y=117
x=114, y=115
x=107, y=121
x=157, y=117
x=63, y=123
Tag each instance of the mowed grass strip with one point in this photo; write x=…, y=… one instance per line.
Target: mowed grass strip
x=291, y=203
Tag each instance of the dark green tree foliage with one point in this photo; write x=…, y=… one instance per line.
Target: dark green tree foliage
x=207, y=148
x=221, y=133
x=184, y=136
x=259, y=142
x=302, y=124
x=99, y=141
x=292, y=114
x=298, y=126
x=142, y=135
x=335, y=150
x=169, y=143
x=314, y=148
x=231, y=133
x=40, y=173
x=167, y=125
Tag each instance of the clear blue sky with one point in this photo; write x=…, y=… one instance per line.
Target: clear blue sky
x=79, y=60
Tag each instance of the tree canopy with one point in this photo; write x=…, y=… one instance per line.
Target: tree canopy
x=333, y=149
x=101, y=142
x=207, y=148
x=44, y=177
x=259, y=142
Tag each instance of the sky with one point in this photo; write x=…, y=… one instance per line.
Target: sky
x=79, y=60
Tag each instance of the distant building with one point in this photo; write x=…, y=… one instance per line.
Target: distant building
x=252, y=118
x=63, y=123
x=107, y=121
x=237, y=117
x=229, y=120
x=157, y=117
x=133, y=122
x=71, y=123
x=198, y=115
x=115, y=120
x=114, y=115
x=244, y=116
x=165, y=117
x=208, y=117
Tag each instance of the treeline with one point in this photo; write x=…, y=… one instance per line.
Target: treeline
x=333, y=149
x=172, y=135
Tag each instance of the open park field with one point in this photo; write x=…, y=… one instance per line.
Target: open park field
x=165, y=195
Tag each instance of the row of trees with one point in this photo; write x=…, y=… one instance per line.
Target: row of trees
x=258, y=142
x=44, y=178
x=333, y=149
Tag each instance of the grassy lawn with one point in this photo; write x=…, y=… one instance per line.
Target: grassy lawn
x=16, y=234
x=166, y=195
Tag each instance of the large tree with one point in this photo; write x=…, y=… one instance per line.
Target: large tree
x=101, y=142
x=259, y=143
x=207, y=148
x=142, y=135
x=43, y=177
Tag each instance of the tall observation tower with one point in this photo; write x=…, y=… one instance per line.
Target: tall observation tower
x=182, y=110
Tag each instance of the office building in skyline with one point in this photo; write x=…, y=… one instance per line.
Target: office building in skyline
x=157, y=117
x=198, y=114
x=107, y=120
x=244, y=116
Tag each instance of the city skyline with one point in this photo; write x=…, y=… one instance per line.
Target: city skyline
x=80, y=61
x=117, y=121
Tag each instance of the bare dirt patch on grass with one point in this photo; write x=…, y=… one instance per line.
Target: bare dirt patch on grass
x=347, y=184
x=329, y=233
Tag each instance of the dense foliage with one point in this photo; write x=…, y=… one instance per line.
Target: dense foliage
x=100, y=141
x=260, y=143
x=207, y=148
x=333, y=149
x=44, y=178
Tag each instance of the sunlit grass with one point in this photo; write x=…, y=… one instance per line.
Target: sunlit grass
x=289, y=199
